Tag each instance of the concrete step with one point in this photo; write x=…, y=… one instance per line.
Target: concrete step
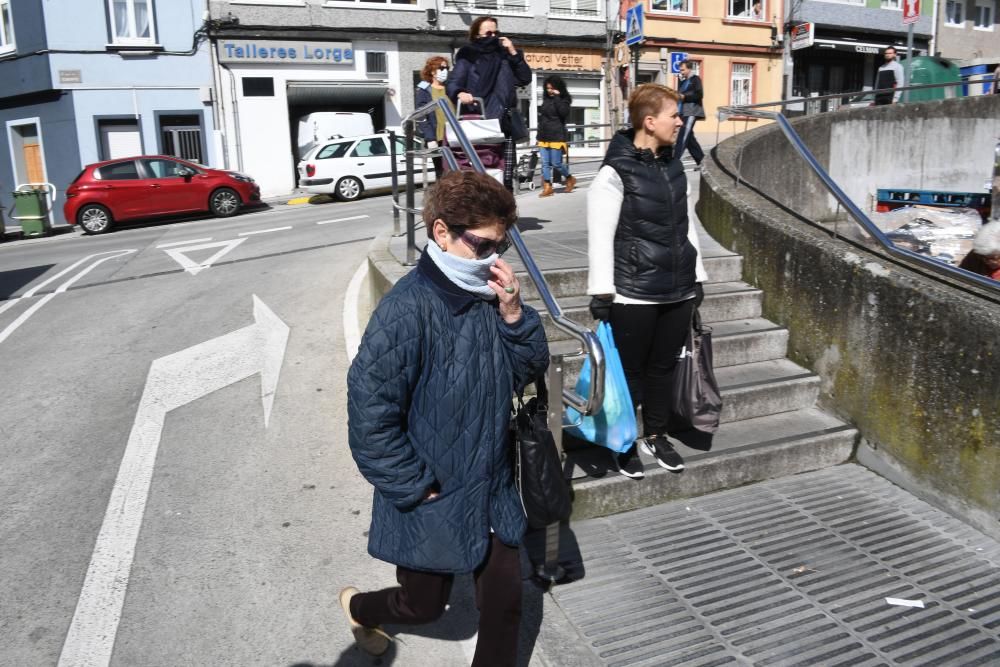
x=748, y=390
x=565, y=282
x=733, y=343
x=742, y=452
x=724, y=302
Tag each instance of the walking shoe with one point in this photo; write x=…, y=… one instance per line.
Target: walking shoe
x=628, y=464
x=660, y=449
x=570, y=184
x=370, y=640
x=546, y=189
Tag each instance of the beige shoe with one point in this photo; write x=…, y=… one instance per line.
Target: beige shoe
x=370, y=640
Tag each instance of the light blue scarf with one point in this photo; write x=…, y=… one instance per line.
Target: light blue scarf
x=469, y=274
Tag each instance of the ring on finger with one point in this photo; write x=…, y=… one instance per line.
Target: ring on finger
x=509, y=289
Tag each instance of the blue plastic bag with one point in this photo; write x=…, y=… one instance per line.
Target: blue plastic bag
x=614, y=425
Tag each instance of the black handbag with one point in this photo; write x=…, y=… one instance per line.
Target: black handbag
x=538, y=471
x=512, y=125
x=697, y=402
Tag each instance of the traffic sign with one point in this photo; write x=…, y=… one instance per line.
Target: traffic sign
x=911, y=11
x=635, y=25
x=676, y=58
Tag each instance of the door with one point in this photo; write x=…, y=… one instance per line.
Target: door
x=183, y=142
x=372, y=162
x=33, y=163
x=120, y=140
x=169, y=191
x=120, y=188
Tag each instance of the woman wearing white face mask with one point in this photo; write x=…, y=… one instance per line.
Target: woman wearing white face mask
x=432, y=89
x=428, y=401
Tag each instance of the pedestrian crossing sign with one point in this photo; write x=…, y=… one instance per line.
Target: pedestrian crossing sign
x=634, y=25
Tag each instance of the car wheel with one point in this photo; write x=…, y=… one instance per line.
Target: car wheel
x=94, y=219
x=224, y=202
x=349, y=188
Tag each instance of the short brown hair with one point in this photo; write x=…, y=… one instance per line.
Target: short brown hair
x=647, y=100
x=467, y=200
x=474, y=28
x=431, y=66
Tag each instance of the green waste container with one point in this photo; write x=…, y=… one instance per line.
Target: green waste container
x=931, y=69
x=31, y=209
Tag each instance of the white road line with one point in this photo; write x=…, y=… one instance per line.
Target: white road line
x=264, y=231
x=177, y=243
x=13, y=326
x=352, y=327
x=330, y=222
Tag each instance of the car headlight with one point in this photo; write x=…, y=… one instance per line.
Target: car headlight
x=236, y=176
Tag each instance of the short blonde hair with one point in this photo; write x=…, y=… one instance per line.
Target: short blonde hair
x=648, y=100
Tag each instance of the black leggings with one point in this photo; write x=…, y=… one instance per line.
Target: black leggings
x=421, y=598
x=648, y=339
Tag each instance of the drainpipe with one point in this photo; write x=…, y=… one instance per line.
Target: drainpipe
x=236, y=113
x=934, y=30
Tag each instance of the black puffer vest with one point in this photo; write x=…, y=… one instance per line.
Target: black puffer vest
x=654, y=260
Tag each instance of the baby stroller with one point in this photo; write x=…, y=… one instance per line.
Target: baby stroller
x=526, y=165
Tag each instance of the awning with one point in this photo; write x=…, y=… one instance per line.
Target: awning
x=859, y=47
x=337, y=92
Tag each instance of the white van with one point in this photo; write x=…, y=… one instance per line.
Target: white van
x=316, y=128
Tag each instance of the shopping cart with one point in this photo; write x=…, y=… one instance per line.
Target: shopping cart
x=526, y=165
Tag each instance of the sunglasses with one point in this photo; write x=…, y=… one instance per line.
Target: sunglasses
x=482, y=247
x=489, y=33
x=444, y=67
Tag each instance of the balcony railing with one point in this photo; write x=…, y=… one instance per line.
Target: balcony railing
x=513, y=6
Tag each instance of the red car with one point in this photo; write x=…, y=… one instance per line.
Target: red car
x=148, y=186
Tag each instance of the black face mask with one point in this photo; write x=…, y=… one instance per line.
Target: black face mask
x=488, y=43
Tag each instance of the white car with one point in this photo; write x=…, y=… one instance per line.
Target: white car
x=349, y=166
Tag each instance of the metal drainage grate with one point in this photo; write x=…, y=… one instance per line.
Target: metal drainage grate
x=791, y=571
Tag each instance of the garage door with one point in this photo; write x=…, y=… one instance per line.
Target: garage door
x=120, y=140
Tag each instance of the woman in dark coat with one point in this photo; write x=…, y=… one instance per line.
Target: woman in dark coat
x=429, y=398
x=552, y=134
x=491, y=68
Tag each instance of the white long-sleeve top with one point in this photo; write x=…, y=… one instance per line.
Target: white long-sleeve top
x=604, y=205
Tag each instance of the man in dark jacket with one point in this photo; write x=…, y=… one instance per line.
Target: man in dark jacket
x=429, y=398
x=692, y=111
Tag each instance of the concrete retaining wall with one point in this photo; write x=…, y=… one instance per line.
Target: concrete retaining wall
x=913, y=362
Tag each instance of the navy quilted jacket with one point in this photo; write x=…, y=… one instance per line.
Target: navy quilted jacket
x=429, y=397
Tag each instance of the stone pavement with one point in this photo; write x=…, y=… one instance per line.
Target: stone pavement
x=799, y=570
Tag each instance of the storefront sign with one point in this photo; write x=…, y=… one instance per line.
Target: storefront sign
x=803, y=35
x=300, y=53
x=563, y=59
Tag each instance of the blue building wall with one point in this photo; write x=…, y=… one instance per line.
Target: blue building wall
x=71, y=92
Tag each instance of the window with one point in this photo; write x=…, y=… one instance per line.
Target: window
x=119, y=171
x=334, y=150
x=750, y=10
x=119, y=137
x=892, y=4
x=376, y=62
x=132, y=22
x=673, y=6
x=953, y=12
x=160, y=168
x=370, y=148
x=983, y=17
x=742, y=85
x=362, y=3
x=258, y=86
x=574, y=8
x=513, y=6
x=181, y=137
x=6, y=27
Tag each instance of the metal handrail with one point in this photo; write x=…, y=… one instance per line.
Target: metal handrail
x=995, y=212
x=852, y=209
x=592, y=403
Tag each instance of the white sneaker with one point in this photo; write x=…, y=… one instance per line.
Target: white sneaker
x=370, y=640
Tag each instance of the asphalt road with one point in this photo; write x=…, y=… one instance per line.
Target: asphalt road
x=228, y=538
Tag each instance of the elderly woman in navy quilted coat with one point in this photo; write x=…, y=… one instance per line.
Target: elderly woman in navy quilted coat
x=429, y=397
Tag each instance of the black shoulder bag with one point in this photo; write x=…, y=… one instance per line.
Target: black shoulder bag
x=538, y=472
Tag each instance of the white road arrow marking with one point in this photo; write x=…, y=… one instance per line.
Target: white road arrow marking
x=35, y=307
x=173, y=381
x=194, y=268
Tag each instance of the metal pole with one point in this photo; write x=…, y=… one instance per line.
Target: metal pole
x=909, y=62
x=395, y=183
x=411, y=239
x=550, y=572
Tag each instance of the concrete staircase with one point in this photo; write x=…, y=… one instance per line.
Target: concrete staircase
x=771, y=425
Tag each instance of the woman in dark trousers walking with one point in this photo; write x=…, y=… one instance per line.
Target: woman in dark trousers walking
x=491, y=68
x=431, y=89
x=645, y=266
x=692, y=111
x=552, y=135
x=429, y=399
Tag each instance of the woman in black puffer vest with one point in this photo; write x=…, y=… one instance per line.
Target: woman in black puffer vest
x=645, y=270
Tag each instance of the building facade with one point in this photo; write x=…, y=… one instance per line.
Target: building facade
x=968, y=33
x=848, y=37
x=89, y=80
x=366, y=56
x=732, y=44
